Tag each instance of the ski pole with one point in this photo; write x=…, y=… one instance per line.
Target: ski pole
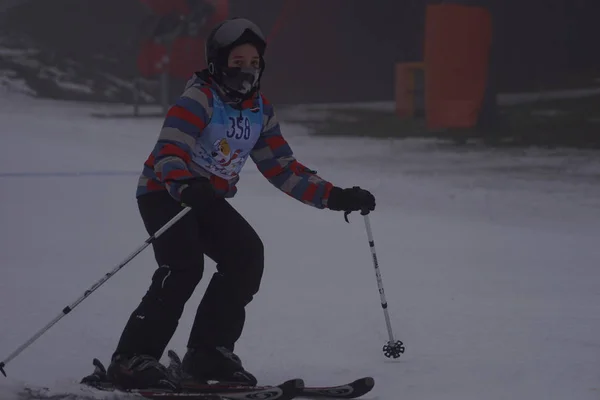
x=393, y=348
x=95, y=286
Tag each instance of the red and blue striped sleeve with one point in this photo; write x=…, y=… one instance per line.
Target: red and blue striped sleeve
x=275, y=160
x=182, y=126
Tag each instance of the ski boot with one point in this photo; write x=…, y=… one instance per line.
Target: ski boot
x=139, y=372
x=210, y=364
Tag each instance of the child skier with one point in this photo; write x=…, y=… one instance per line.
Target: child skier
x=219, y=121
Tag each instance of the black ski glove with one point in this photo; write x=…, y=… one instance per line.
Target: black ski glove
x=198, y=195
x=353, y=199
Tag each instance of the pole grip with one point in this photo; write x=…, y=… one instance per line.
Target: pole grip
x=363, y=212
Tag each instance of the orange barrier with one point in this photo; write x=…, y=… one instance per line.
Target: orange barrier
x=457, y=45
x=409, y=89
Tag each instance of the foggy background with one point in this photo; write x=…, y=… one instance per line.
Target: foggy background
x=319, y=51
x=334, y=50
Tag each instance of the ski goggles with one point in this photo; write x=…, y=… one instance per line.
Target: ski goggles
x=231, y=30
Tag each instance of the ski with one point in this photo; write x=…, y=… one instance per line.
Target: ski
x=295, y=389
x=351, y=390
x=288, y=390
x=97, y=386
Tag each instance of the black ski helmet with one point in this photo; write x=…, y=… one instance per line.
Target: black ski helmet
x=227, y=35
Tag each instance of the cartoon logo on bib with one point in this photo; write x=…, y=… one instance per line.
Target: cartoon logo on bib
x=222, y=153
x=226, y=160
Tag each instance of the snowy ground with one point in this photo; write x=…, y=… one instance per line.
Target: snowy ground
x=490, y=261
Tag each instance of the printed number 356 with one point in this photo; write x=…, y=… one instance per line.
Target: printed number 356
x=240, y=128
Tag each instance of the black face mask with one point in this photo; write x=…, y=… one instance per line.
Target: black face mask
x=241, y=81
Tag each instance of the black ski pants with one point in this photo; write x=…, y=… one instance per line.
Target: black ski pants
x=226, y=237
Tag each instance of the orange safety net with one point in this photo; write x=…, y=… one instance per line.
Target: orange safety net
x=457, y=45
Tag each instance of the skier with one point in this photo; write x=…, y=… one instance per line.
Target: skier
x=219, y=121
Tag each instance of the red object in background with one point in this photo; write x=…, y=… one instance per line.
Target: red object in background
x=187, y=52
x=187, y=57
x=149, y=60
x=286, y=11
x=457, y=46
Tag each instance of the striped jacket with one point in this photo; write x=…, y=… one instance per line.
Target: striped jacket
x=172, y=163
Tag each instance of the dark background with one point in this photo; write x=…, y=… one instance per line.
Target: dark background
x=333, y=50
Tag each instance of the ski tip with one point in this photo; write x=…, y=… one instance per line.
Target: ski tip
x=2, y=365
x=365, y=382
x=368, y=381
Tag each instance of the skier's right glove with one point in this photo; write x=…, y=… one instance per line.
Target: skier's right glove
x=351, y=199
x=199, y=194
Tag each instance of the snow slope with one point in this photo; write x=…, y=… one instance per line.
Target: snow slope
x=490, y=261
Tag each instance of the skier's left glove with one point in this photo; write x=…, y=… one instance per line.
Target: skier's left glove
x=199, y=194
x=353, y=199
